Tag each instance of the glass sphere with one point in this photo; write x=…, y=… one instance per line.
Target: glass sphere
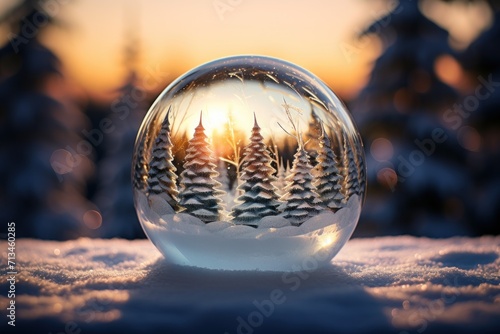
x=248, y=163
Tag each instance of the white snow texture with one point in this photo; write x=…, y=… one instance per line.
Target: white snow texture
x=390, y=285
x=274, y=245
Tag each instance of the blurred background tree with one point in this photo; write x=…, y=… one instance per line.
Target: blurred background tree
x=44, y=167
x=414, y=188
x=114, y=186
x=420, y=162
x=480, y=133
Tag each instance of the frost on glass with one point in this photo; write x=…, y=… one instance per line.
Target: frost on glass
x=248, y=162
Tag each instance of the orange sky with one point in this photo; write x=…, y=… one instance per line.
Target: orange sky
x=177, y=35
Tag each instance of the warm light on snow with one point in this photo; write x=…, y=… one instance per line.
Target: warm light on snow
x=327, y=241
x=372, y=285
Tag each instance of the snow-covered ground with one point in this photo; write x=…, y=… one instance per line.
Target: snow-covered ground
x=392, y=285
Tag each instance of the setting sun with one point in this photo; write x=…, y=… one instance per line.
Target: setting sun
x=214, y=119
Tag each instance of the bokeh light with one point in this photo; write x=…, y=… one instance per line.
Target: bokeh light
x=469, y=138
x=388, y=178
x=448, y=70
x=381, y=149
x=92, y=219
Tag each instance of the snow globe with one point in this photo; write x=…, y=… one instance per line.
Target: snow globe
x=248, y=163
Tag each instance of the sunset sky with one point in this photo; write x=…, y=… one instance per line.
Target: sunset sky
x=175, y=36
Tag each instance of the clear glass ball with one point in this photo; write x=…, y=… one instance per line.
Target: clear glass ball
x=248, y=163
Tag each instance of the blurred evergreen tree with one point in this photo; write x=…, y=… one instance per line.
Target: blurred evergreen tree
x=114, y=197
x=480, y=131
x=44, y=162
x=422, y=186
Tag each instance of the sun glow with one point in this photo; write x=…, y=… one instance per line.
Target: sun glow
x=326, y=242
x=214, y=120
x=221, y=126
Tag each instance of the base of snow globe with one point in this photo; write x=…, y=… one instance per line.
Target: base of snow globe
x=186, y=240
x=248, y=163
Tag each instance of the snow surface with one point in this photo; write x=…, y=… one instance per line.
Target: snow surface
x=156, y=210
x=391, y=285
x=186, y=240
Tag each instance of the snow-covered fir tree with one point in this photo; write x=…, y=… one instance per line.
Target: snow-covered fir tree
x=141, y=163
x=361, y=168
x=280, y=183
x=301, y=201
x=141, y=166
x=259, y=198
x=200, y=193
x=223, y=178
x=328, y=181
x=162, y=177
x=312, y=136
x=349, y=170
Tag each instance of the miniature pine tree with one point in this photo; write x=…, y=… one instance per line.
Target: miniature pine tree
x=223, y=177
x=281, y=178
x=328, y=180
x=288, y=169
x=312, y=135
x=141, y=166
x=162, y=177
x=301, y=199
x=199, y=193
x=259, y=198
x=350, y=171
x=361, y=168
